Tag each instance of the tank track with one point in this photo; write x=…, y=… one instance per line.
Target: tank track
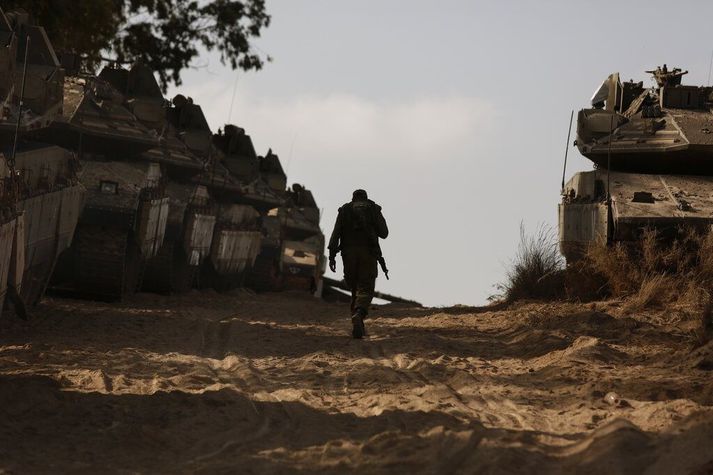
x=169, y=271
x=107, y=262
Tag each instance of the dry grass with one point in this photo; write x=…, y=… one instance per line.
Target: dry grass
x=653, y=272
x=537, y=269
x=659, y=271
x=655, y=290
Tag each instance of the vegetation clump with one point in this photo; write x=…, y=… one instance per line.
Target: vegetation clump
x=657, y=270
x=536, y=271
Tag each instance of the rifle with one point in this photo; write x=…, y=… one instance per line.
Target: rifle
x=382, y=263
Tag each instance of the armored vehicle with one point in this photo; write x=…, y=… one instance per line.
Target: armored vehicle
x=291, y=254
x=183, y=136
x=40, y=196
x=653, y=153
x=125, y=214
x=302, y=262
x=237, y=179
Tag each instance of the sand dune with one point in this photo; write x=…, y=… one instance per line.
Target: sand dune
x=243, y=383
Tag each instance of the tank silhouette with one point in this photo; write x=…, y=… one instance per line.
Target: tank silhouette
x=291, y=252
x=303, y=262
x=292, y=256
x=132, y=191
x=234, y=180
x=192, y=212
x=40, y=195
x=124, y=218
x=653, y=153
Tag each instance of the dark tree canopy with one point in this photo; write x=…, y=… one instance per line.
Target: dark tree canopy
x=166, y=35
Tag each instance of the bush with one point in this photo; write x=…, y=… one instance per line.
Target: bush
x=537, y=270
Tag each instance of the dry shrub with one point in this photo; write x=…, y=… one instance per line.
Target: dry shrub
x=537, y=270
x=655, y=290
x=658, y=270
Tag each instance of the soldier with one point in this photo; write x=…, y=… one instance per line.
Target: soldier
x=356, y=234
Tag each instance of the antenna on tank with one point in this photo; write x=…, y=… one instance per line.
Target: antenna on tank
x=611, y=131
x=292, y=148
x=19, y=109
x=566, y=148
x=232, y=101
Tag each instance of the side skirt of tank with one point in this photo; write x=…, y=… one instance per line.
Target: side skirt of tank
x=7, y=236
x=50, y=222
x=232, y=255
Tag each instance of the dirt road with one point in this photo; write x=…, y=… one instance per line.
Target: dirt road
x=241, y=383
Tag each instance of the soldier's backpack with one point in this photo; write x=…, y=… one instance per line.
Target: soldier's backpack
x=363, y=217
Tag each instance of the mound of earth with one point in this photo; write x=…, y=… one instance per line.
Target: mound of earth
x=273, y=383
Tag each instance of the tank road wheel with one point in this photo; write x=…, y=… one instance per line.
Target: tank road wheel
x=107, y=261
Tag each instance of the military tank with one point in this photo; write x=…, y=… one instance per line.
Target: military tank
x=291, y=252
x=302, y=259
x=292, y=256
x=192, y=213
x=652, y=149
x=235, y=182
x=40, y=195
x=124, y=218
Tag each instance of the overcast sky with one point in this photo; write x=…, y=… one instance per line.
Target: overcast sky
x=452, y=114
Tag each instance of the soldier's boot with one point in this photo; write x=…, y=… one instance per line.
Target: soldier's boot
x=358, y=329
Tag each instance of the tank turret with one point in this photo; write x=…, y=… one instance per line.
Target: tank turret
x=662, y=129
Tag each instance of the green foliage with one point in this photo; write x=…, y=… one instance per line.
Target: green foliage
x=166, y=35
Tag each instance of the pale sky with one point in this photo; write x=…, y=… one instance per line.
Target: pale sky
x=452, y=114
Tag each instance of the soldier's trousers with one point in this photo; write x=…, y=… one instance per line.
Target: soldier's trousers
x=360, y=273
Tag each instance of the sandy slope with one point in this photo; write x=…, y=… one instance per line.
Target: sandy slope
x=241, y=383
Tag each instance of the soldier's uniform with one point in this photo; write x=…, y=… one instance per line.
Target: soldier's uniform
x=359, y=226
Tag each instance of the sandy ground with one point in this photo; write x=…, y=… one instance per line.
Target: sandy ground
x=244, y=383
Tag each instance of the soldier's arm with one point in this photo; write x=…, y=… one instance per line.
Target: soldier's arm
x=382, y=230
x=336, y=237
